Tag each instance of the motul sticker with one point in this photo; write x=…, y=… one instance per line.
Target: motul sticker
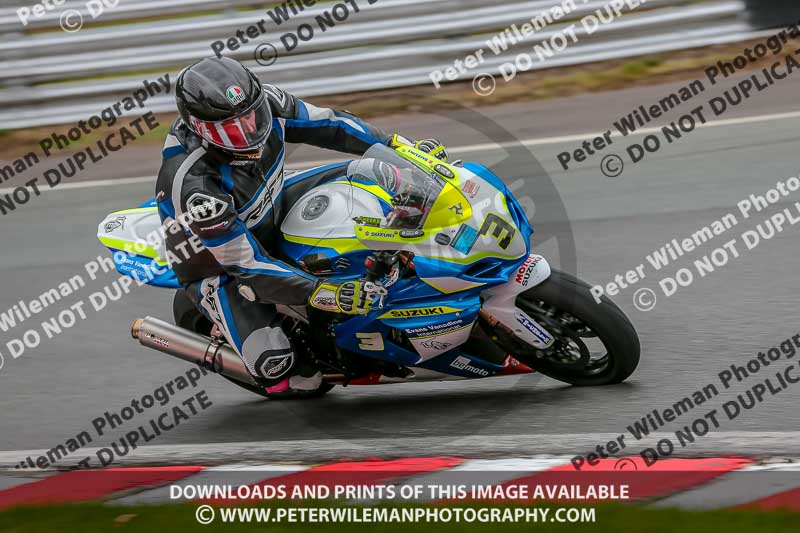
x=526, y=269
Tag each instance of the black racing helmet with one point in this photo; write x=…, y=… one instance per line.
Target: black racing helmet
x=223, y=102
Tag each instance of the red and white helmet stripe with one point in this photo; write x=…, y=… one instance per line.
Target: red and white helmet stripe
x=245, y=132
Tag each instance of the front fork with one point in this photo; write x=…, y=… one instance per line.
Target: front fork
x=499, y=302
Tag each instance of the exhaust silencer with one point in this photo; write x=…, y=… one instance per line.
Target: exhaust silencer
x=192, y=347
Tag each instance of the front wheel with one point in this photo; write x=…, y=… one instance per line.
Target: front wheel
x=595, y=343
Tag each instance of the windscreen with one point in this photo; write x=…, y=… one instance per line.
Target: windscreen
x=413, y=191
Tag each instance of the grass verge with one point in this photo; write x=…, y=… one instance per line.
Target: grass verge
x=91, y=518
x=541, y=85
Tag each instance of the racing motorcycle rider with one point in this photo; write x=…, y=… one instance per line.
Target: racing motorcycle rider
x=222, y=172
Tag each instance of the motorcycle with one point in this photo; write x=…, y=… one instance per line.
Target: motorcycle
x=445, y=249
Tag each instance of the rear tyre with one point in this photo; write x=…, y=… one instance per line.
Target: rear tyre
x=595, y=343
x=187, y=316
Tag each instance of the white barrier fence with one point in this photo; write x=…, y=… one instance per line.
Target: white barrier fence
x=53, y=77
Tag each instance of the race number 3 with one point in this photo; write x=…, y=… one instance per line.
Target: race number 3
x=370, y=342
x=500, y=229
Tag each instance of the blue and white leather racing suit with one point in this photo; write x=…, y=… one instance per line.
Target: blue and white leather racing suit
x=235, y=214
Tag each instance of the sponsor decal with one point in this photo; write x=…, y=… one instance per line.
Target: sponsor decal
x=379, y=235
x=458, y=209
x=209, y=301
x=221, y=225
x=368, y=221
x=411, y=233
x=117, y=223
x=442, y=238
x=326, y=303
x=235, y=94
x=534, y=328
x=157, y=340
x=422, y=311
x=275, y=366
x=471, y=188
x=464, y=239
x=526, y=269
x=204, y=208
x=277, y=93
x=436, y=345
x=435, y=330
x=280, y=366
x=422, y=156
x=462, y=363
x=263, y=205
x=266, y=200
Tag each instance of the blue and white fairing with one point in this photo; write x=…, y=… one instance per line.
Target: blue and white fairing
x=437, y=309
x=471, y=253
x=134, y=236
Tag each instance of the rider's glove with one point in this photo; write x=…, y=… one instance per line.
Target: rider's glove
x=350, y=297
x=430, y=146
x=433, y=147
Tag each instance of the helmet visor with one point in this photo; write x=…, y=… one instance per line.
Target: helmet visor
x=247, y=131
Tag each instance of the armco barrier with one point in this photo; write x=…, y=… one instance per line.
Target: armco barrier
x=51, y=77
x=772, y=13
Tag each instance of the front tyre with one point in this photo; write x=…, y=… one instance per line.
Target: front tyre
x=595, y=343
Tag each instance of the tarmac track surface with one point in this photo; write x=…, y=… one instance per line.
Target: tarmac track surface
x=51, y=393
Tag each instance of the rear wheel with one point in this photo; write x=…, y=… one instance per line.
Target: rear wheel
x=595, y=343
x=187, y=316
